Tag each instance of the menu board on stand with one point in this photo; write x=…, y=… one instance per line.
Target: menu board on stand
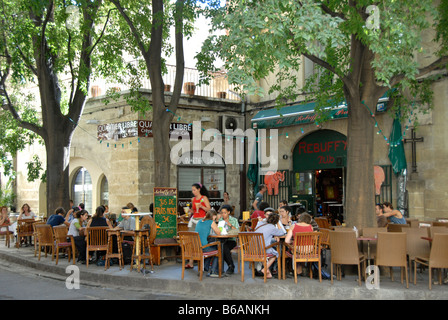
x=165, y=214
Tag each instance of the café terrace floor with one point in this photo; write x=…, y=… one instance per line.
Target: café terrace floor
x=167, y=279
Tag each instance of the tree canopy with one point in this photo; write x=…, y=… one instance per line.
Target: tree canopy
x=364, y=48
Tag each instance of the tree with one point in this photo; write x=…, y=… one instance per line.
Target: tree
x=146, y=33
x=42, y=41
x=363, y=47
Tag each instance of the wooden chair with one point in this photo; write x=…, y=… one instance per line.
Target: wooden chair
x=181, y=226
x=254, y=223
x=391, y=252
x=252, y=249
x=60, y=237
x=436, y=229
x=96, y=240
x=437, y=259
x=46, y=239
x=36, y=238
x=395, y=227
x=344, y=251
x=4, y=231
x=439, y=224
x=325, y=238
x=24, y=229
x=415, y=245
x=245, y=226
x=371, y=233
x=192, y=249
x=110, y=254
x=322, y=222
x=306, y=248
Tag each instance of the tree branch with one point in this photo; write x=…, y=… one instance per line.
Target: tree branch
x=438, y=64
x=334, y=14
x=102, y=31
x=131, y=26
x=180, y=61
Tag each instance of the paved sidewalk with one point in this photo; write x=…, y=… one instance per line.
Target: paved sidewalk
x=167, y=278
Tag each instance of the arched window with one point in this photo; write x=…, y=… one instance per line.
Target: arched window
x=82, y=189
x=104, y=191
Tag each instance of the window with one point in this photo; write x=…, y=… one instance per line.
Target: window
x=211, y=174
x=82, y=189
x=104, y=191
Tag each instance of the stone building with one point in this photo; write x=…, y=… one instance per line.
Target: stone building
x=112, y=154
x=115, y=168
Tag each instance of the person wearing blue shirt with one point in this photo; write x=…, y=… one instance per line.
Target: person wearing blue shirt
x=203, y=227
x=57, y=218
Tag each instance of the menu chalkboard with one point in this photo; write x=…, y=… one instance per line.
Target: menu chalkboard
x=165, y=213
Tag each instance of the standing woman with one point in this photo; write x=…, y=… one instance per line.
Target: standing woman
x=200, y=205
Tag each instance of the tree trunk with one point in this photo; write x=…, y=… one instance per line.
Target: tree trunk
x=58, y=156
x=360, y=195
x=161, y=128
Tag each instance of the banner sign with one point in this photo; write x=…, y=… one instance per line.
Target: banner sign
x=138, y=128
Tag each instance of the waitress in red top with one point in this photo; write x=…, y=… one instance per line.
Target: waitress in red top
x=200, y=205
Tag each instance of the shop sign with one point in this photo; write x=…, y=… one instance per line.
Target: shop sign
x=323, y=149
x=139, y=128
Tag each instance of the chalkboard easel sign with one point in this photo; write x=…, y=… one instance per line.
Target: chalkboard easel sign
x=165, y=214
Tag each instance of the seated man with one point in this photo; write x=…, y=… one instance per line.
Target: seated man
x=127, y=224
x=231, y=223
x=58, y=218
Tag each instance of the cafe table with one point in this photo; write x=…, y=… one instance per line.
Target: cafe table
x=137, y=227
x=368, y=239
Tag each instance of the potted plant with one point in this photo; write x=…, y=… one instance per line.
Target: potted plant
x=189, y=88
x=221, y=94
x=96, y=91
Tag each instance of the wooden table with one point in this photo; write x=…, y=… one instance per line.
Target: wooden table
x=137, y=227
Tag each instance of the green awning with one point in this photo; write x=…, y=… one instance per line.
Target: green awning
x=300, y=114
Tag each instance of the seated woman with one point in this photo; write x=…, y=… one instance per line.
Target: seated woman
x=98, y=219
x=269, y=230
x=285, y=216
x=76, y=227
x=204, y=227
x=4, y=219
x=303, y=225
x=394, y=216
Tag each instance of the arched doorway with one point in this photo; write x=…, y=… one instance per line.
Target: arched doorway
x=319, y=163
x=82, y=189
